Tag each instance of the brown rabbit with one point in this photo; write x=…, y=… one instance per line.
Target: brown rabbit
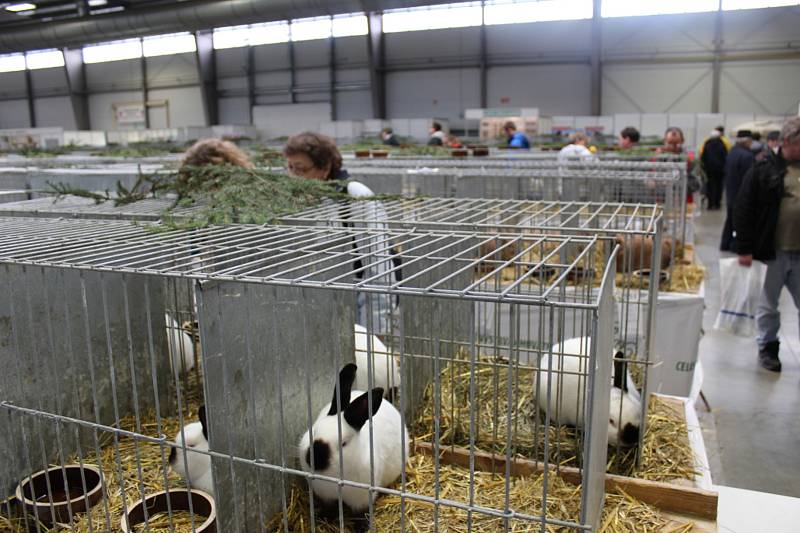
x=637, y=252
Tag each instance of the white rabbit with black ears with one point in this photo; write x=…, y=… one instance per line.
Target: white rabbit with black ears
x=191, y=466
x=390, y=443
x=568, y=376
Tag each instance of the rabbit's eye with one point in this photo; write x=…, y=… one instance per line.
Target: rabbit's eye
x=611, y=421
x=345, y=443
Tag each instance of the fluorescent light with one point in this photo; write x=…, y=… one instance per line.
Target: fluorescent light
x=16, y=8
x=97, y=3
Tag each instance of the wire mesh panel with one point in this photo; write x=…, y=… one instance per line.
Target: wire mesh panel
x=473, y=380
x=637, y=228
x=407, y=181
x=78, y=207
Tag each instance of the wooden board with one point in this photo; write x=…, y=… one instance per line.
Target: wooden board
x=671, y=498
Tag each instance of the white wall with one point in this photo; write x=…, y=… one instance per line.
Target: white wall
x=14, y=114
x=54, y=112
x=279, y=120
x=101, y=109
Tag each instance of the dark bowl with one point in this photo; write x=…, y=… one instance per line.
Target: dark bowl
x=62, y=497
x=202, y=504
x=663, y=275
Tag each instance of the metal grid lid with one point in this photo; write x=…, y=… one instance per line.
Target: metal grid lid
x=441, y=263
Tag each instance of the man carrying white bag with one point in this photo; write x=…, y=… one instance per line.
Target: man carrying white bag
x=740, y=287
x=767, y=223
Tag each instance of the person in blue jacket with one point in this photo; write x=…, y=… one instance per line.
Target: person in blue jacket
x=516, y=139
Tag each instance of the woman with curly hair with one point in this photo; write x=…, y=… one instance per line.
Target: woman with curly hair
x=215, y=152
x=311, y=155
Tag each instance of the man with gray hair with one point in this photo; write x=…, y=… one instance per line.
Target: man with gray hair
x=767, y=225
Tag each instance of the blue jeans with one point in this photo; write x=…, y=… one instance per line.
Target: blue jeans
x=784, y=270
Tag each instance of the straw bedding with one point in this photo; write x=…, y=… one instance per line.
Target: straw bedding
x=666, y=456
x=622, y=513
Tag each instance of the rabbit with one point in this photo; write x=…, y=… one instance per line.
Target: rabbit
x=389, y=451
x=196, y=468
x=640, y=251
x=625, y=401
x=181, y=346
x=385, y=370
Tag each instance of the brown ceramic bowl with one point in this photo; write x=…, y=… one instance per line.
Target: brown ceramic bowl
x=62, y=497
x=380, y=153
x=459, y=152
x=480, y=151
x=202, y=504
x=362, y=153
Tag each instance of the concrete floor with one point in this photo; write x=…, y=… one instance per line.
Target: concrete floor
x=753, y=431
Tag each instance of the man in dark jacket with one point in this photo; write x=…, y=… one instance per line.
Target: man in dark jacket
x=767, y=224
x=713, y=157
x=738, y=162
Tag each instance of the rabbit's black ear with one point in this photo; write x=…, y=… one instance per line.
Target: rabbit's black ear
x=620, y=372
x=358, y=412
x=201, y=414
x=341, y=390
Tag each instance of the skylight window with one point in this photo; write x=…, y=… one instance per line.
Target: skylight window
x=12, y=62
x=251, y=34
x=634, y=8
x=730, y=5
x=44, y=59
x=173, y=43
x=112, y=51
x=311, y=28
x=516, y=11
x=269, y=33
x=349, y=25
x=433, y=17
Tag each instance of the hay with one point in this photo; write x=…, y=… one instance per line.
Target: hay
x=685, y=278
x=622, y=513
x=666, y=452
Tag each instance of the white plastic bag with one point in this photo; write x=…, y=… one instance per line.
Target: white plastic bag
x=740, y=288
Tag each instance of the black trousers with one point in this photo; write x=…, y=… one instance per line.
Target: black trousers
x=728, y=242
x=714, y=190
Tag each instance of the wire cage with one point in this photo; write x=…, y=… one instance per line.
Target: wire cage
x=662, y=183
x=277, y=309
x=637, y=228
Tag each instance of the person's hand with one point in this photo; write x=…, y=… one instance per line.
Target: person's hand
x=746, y=260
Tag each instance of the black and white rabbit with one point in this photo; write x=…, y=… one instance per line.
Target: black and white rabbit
x=385, y=370
x=196, y=468
x=625, y=401
x=389, y=450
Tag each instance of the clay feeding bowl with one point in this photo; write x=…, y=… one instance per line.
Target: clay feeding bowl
x=362, y=153
x=380, y=154
x=480, y=151
x=202, y=505
x=66, y=493
x=459, y=153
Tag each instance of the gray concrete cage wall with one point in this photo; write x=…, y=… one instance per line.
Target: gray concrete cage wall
x=657, y=64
